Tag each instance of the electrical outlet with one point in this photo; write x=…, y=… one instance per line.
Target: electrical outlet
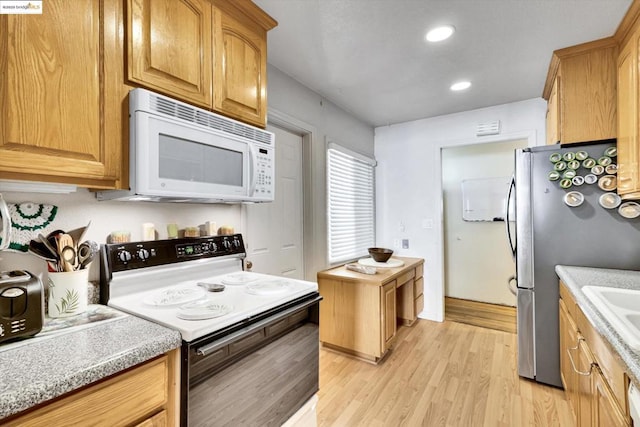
x=405, y=243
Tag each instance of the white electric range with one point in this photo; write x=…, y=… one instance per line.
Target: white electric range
x=230, y=320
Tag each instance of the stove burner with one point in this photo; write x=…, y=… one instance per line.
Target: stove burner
x=204, y=309
x=211, y=287
x=241, y=278
x=271, y=287
x=173, y=296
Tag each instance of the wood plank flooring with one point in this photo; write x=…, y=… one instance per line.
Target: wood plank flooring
x=492, y=316
x=438, y=374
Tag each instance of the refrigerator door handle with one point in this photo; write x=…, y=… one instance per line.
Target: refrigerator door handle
x=512, y=240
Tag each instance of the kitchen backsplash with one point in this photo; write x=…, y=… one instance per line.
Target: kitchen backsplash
x=77, y=209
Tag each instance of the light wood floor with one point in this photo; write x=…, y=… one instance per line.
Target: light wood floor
x=439, y=374
x=492, y=316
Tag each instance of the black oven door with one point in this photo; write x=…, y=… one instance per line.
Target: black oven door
x=256, y=374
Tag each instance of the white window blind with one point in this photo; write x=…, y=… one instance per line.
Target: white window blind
x=350, y=204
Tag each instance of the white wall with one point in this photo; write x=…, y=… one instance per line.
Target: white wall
x=77, y=209
x=288, y=96
x=478, y=261
x=409, y=185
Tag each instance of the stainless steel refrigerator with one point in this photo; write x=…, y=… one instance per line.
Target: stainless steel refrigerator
x=548, y=232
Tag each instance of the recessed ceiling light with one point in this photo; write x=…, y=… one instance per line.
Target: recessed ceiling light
x=440, y=33
x=460, y=86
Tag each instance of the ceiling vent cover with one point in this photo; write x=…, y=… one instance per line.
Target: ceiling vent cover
x=488, y=128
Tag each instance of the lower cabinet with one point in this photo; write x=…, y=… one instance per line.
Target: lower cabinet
x=592, y=379
x=146, y=395
x=358, y=318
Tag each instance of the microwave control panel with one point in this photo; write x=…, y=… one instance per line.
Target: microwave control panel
x=265, y=181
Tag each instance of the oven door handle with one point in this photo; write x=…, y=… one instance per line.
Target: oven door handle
x=210, y=348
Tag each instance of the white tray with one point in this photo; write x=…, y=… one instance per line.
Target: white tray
x=391, y=263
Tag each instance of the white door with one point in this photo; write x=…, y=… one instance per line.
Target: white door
x=274, y=230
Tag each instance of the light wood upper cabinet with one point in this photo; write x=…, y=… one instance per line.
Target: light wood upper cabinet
x=240, y=65
x=586, y=97
x=209, y=53
x=628, y=150
x=54, y=93
x=553, y=114
x=169, y=47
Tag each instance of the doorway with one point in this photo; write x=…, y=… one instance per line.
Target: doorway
x=275, y=230
x=477, y=259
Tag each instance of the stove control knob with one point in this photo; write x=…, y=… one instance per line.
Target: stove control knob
x=143, y=254
x=124, y=256
x=236, y=243
x=213, y=247
x=226, y=244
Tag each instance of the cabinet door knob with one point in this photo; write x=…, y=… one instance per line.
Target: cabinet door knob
x=249, y=264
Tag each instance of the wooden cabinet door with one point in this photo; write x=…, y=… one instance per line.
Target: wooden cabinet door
x=584, y=378
x=568, y=348
x=389, y=323
x=169, y=47
x=628, y=118
x=606, y=411
x=240, y=67
x=553, y=114
x=51, y=102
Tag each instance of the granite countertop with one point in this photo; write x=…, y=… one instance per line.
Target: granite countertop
x=42, y=368
x=576, y=278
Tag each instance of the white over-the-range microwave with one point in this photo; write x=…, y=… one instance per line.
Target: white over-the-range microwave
x=181, y=153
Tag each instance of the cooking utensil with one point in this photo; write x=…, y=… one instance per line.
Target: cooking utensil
x=78, y=234
x=38, y=249
x=52, y=238
x=46, y=243
x=87, y=251
x=65, y=240
x=68, y=254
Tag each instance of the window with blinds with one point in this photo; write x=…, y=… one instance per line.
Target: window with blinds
x=350, y=204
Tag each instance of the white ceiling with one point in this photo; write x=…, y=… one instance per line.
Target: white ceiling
x=370, y=58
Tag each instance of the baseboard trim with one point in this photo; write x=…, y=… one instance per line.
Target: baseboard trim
x=485, y=315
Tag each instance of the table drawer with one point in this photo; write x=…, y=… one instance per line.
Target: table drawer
x=418, y=287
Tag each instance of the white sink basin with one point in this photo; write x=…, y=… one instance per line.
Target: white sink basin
x=621, y=308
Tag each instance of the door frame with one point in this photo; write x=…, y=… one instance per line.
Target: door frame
x=436, y=310
x=309, y=136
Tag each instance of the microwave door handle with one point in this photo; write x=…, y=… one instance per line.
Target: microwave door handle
x=254, y=169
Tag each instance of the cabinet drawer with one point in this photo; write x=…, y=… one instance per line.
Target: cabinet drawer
x=420, y=270
x=404, y=278
x=419, y=304
x=418, y=287
x=118, y=401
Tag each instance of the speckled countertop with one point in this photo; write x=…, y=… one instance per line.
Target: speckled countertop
x=576, y=278
x=38, y=370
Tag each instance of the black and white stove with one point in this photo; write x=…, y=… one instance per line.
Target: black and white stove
x=194, y=285
x=249, y=340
